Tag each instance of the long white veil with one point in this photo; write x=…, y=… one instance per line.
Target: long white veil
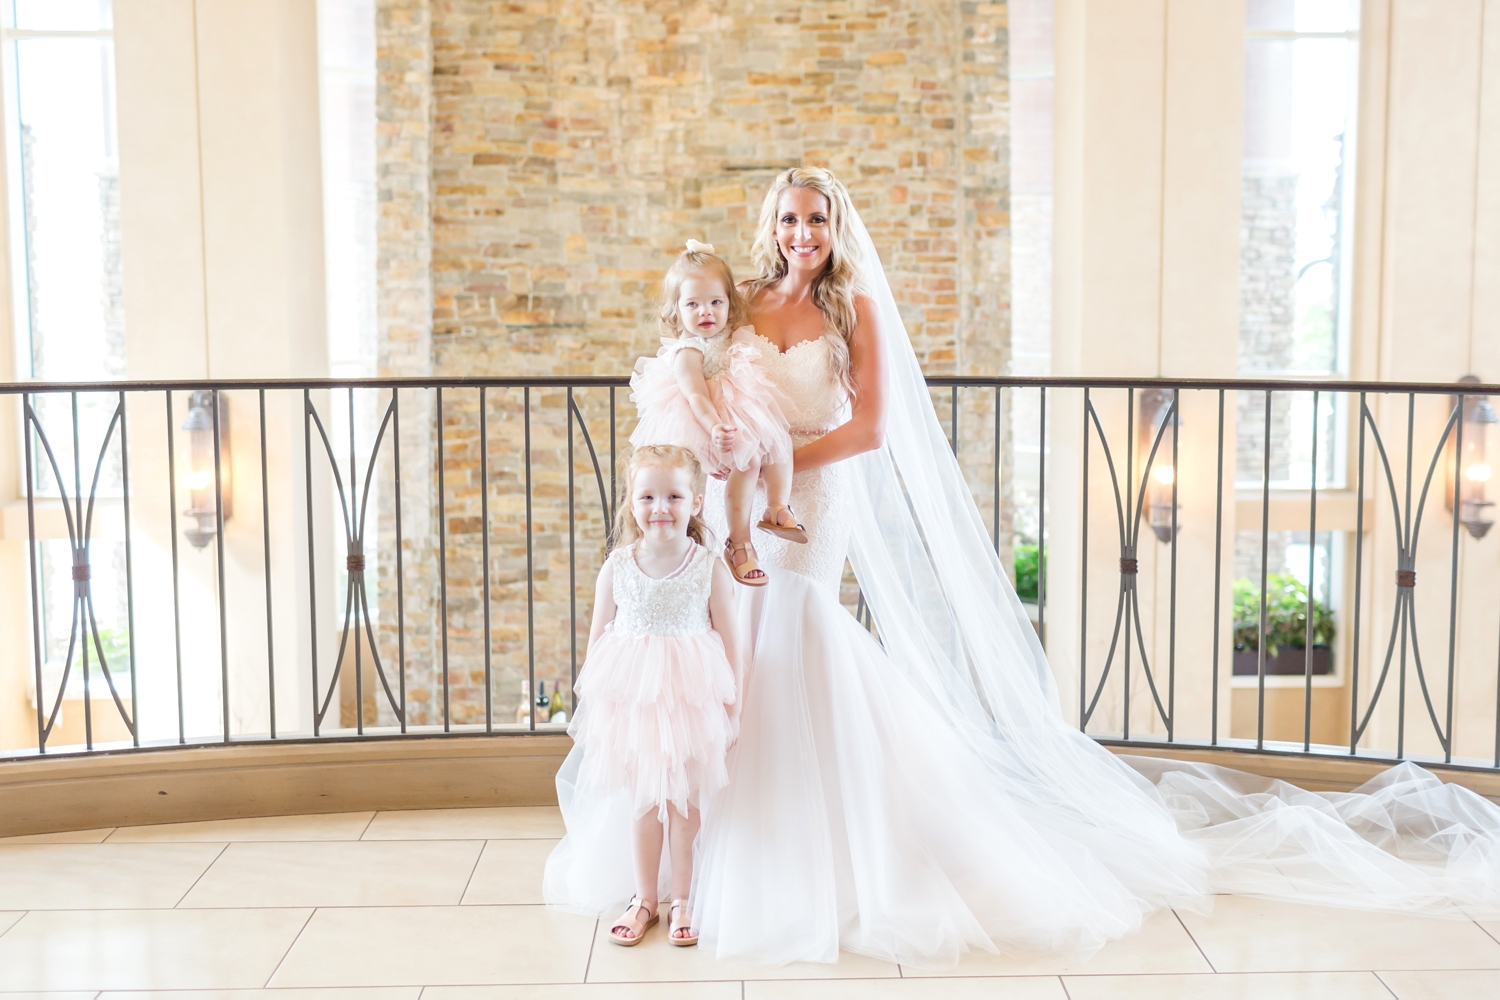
x=949, y=619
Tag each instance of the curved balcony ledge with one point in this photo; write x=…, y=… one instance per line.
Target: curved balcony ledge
x=190, y=784
x=180, y=785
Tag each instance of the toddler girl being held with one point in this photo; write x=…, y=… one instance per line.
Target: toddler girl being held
x=703, y=390
x=658, y=704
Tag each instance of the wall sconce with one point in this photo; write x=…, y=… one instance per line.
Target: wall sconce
x=1156, y=408
x=200, y=475
x=1473, y=465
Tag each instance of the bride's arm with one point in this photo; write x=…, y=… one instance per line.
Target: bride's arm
x=865, y=429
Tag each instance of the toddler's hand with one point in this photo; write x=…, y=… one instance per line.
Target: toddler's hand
x=723, y=436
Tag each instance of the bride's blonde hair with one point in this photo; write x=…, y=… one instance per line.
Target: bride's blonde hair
x=834, y=290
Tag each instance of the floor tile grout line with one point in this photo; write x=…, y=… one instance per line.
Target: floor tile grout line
x=366, y=830
x=470, y=880
x=282, y=960
x=16, y=924
x=1387, y=985
x=593, y=939
x=200, y=876
x=1485, y=931
x=1064, y=984
x=1181, y=923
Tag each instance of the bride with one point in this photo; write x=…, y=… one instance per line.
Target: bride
x=922, y=795
x=919, y=796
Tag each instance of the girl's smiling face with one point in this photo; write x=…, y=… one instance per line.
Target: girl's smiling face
x=702, y=305
x=803, y=233
x=663, y=502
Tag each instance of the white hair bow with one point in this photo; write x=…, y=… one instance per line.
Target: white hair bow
x=695, y=247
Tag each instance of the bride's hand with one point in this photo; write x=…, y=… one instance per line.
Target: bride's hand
x=733, y=711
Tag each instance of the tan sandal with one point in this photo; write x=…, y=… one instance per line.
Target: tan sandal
x=631, y=921
x=685, y=923
x=750, y=564
x=793, y=532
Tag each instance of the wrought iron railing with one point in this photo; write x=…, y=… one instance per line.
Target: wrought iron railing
x=397, y=568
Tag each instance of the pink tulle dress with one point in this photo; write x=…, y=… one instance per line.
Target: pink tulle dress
x=744, y=396
x=651, y=720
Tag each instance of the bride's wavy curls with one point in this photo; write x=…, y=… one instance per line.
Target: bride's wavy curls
x=658, y=456
x=833, y=291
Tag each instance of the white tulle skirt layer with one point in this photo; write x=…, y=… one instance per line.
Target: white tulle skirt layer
x=859, y=817
x=651, y=720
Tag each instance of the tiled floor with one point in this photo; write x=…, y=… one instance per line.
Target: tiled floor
x=446, y=905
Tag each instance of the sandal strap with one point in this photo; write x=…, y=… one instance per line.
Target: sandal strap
x=634, y=918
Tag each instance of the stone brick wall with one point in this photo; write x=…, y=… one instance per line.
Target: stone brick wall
x=574, y=147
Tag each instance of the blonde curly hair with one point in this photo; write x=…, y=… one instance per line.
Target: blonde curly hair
x=658, y=456
x=833, y=291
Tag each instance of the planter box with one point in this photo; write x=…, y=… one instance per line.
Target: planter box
x=1288, y=661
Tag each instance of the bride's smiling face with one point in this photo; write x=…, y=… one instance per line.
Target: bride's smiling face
x=803, y=233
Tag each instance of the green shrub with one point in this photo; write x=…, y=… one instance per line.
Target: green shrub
x=1286, y=615
x=1026, y=570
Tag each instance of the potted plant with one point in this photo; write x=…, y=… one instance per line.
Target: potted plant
x=1286, y=628
x=1027, y=565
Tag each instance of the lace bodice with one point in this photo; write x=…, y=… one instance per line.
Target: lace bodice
x=715, y=350
x=674, y=605
x=805, y=374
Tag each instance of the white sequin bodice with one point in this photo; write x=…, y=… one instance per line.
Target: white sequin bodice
x=715, y=351
x=674, y=605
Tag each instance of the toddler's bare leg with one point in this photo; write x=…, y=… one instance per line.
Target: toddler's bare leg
x=683, y=830
x=646, y=839
x=778, y=479
x=739, y=497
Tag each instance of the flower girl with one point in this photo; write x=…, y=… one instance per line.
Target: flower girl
x=703, y=390
x=658, y=705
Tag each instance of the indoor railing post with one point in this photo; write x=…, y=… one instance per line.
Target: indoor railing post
x=36, y=593
x=176, y=588
x=572, y=572
x=1265, y=542
x=1172, y=588
x=1359, y=555
x=1218, y=571
x=312, y=560
x=484, y=545
x=1041, y=524
x=1458, y=450
x=1129, y=519
x=359, y=670
x=1411, y=424
x=135, y=701
x=400, y=575
x=1312, y=556
x=530, y=563
x=265, y=526
x=1083, y=590
x=443, y=561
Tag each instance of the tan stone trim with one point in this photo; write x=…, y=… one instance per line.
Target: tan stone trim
x=203, y=783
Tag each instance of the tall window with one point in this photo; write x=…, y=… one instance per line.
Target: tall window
x=67, y=293
x=1301, y=96
x=64, y=189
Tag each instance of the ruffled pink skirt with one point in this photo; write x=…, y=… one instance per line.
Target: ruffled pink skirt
x=742, y=394
x=651, y=719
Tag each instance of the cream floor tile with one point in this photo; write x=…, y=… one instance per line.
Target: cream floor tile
x=438, y=946
x=1024, y=988
x=1448, y=985
x=1162, y=947
x=510, y=871
x=67, y=837
x=499, y=823
x=591, y=991
x=407, y=873
x=8, y=920
x=655, y=959
x=335, y=993
x=1256, y=935
x=146, y=949
x=332, y=826
x=1234, y=986
x=100, y=876
x=79, y=995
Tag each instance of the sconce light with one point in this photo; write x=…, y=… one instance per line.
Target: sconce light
x=200, y=475
x=1156, y=408
x=1473, y=465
